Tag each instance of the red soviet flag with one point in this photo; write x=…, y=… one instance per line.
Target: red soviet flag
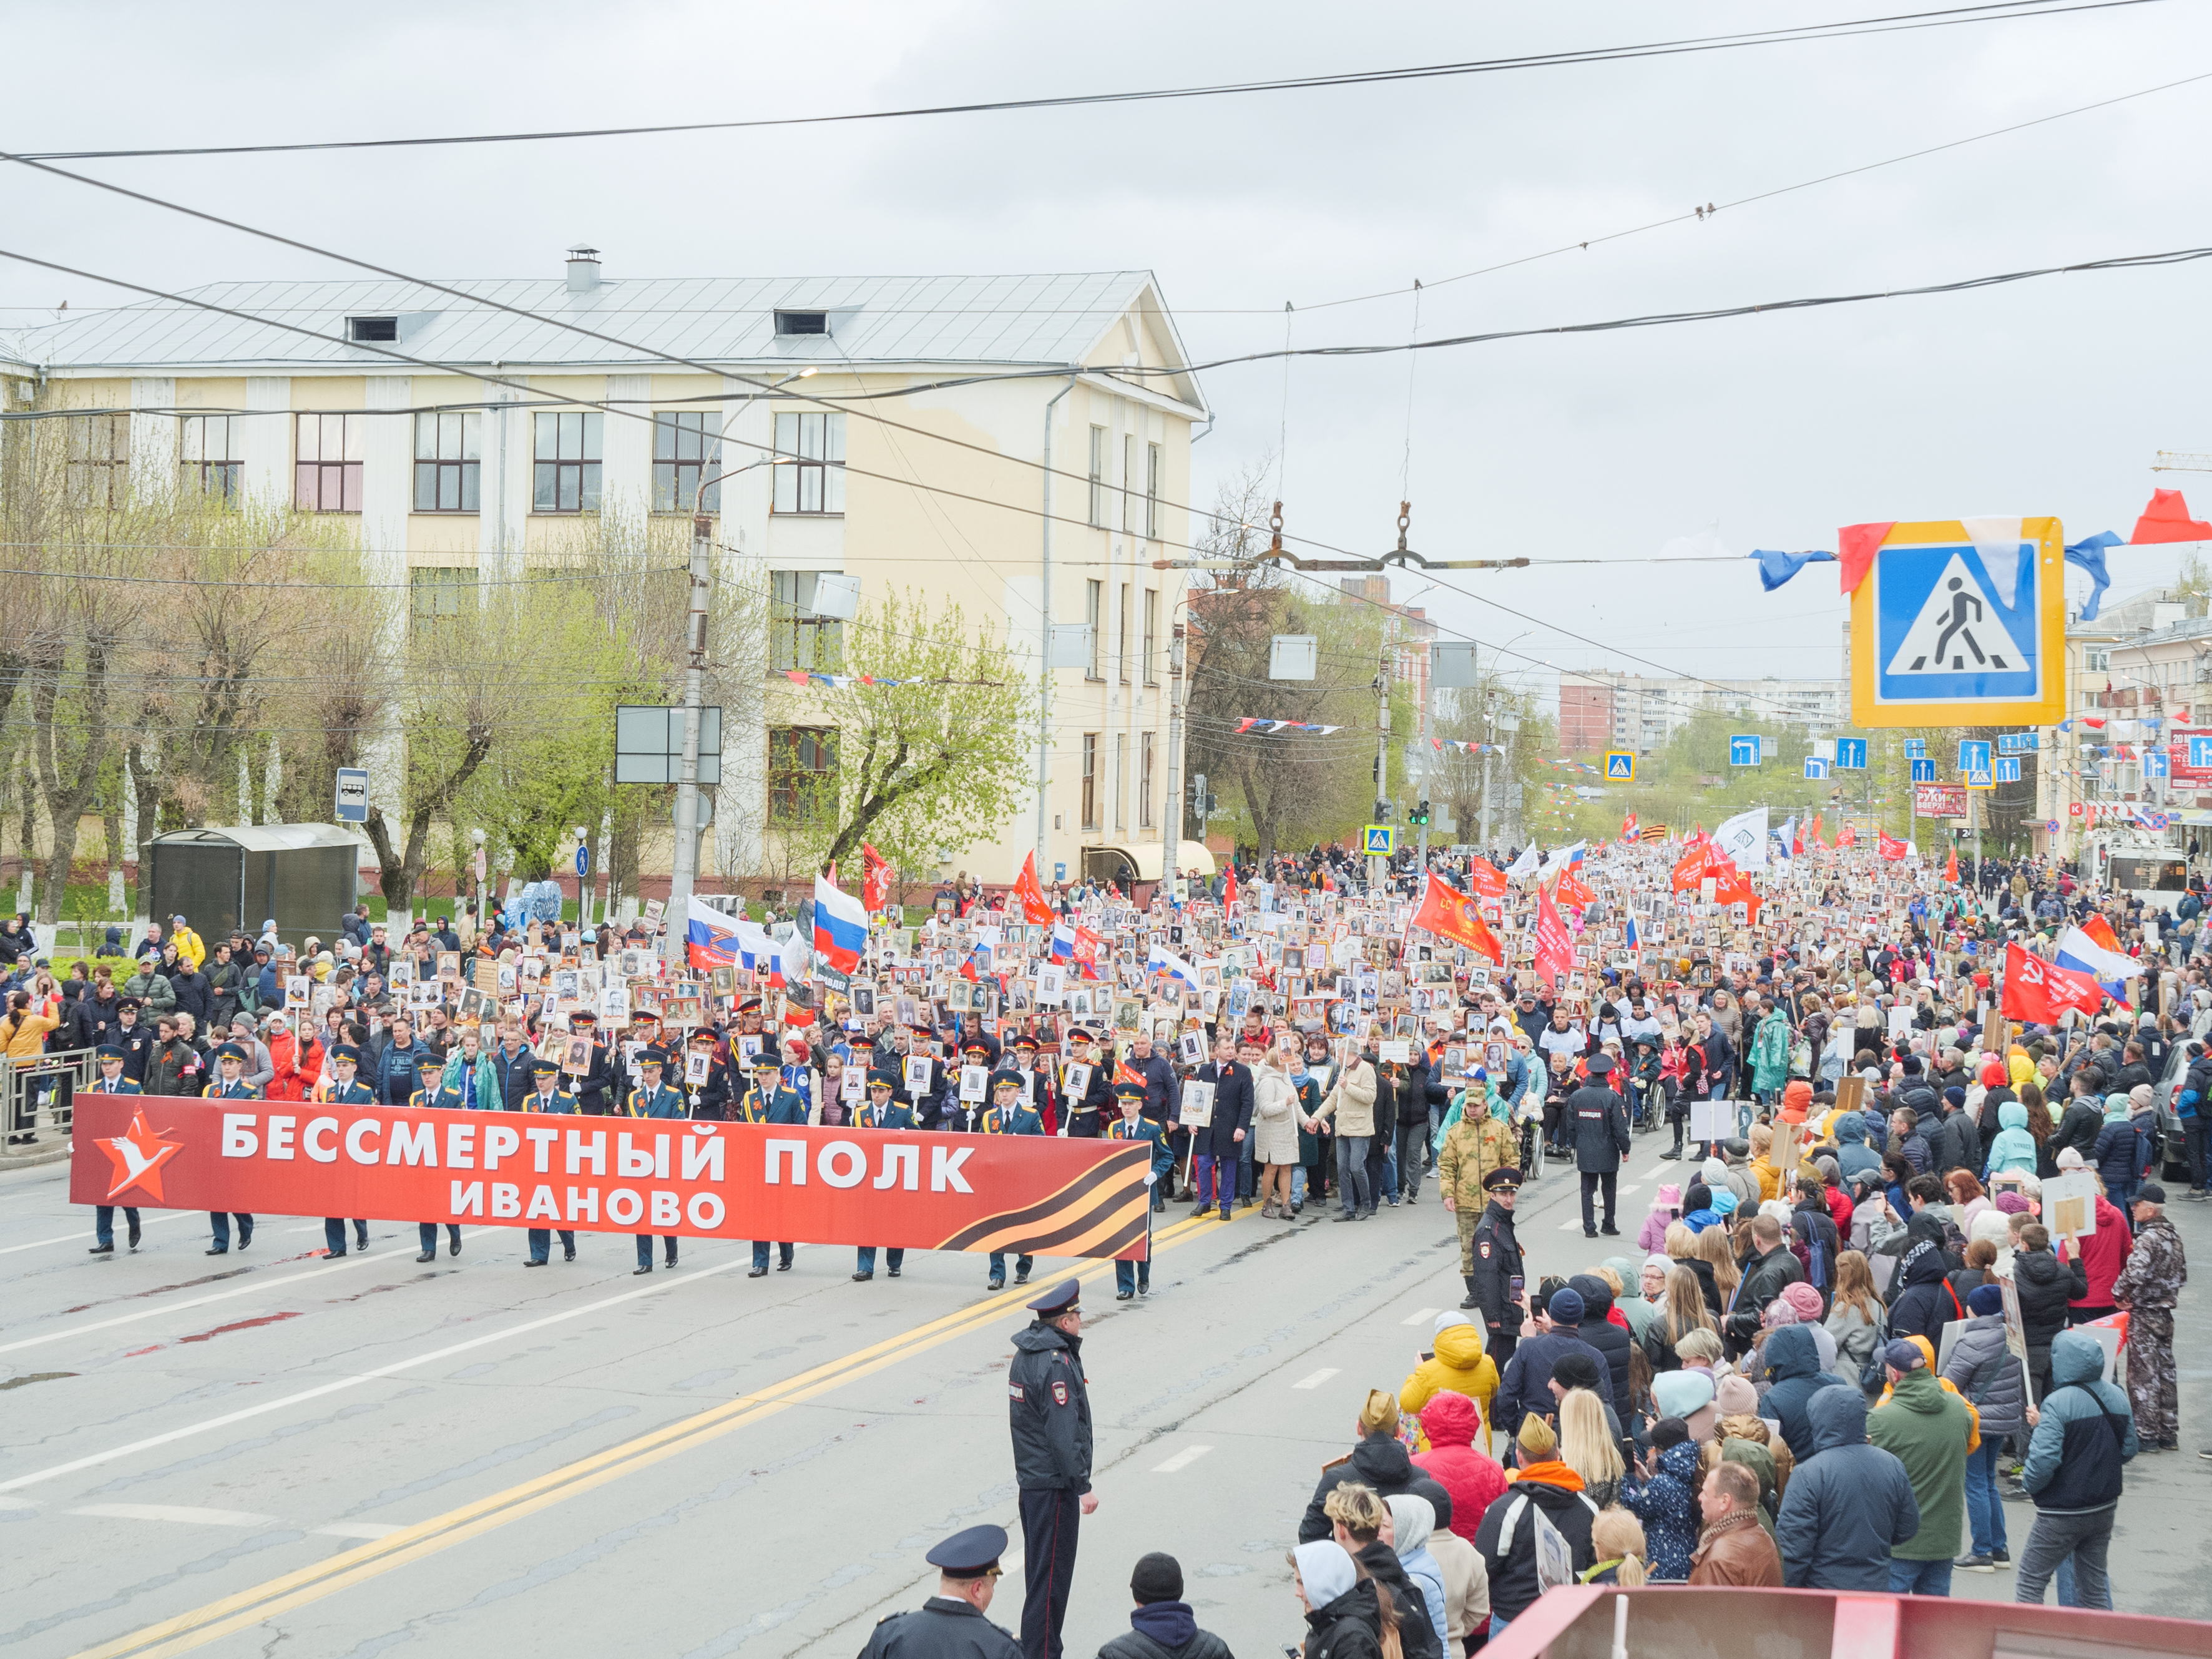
x=2027, y=986
x=1887, y=846
x=1555, y=946
x=1848, y=836
x=1031, y=892
x=1449, y=914
x=2071, y=988
x=876, y=879
x=1486, y=878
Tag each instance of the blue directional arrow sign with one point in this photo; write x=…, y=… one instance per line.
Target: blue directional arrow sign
x=1743, y=750
x=1916, y=749
x=1974, y=755
x=2200, y=753
x=1815, y=767
x=1850, y=754
x=1923, y=771
x=2008, y=770
x=2155, y=763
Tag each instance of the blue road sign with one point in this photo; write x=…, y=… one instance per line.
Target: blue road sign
x=2008, y=769
x=583, y=859
x=1815, y=767
x=1743, y=750
x=1977, y=777
x=353, y=795
x=1973, y=757
x=2019, y=743
x=1620, y=765
x=1958, y=616
x=2200, y=753
x=1923, y=771
x=2155, y=764
x=1916, y=749
x=1380, y=839
x=1850, y=754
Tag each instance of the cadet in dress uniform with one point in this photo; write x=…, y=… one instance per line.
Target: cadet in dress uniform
x=951, y=1624
x=1135, y=1278
x=653, y=1098
x=112, y=1082
x=1049, y=1408
x=1495, y=1255
x=770, y=1100
x=881, y=1112
x=230, y=1084
x=457, y=1096
x=554, y=1102
x=1010, y=1114
x=342, y=1089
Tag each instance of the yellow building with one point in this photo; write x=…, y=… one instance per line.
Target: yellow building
x=944, y=489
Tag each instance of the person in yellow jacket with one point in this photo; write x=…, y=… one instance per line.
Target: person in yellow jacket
x=190, y=945
x=1763, y=1168
x=1456, y=1362
x=23, y=1031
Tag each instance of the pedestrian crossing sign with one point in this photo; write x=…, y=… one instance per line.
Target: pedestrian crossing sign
x=1961, y=621
x=1620, y=766
x=1380, y=841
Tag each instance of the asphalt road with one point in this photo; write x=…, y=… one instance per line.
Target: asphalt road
x=267, y=1453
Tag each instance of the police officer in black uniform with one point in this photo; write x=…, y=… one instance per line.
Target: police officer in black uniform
x=1050, y=1409
x=951, y=1624
x=1499, y=1275
x=1600, y=1119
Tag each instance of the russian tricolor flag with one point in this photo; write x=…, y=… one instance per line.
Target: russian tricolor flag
x=1164, y=961
x=2085, y=952
x=841, y=926
x=1631, y=935
x=711, y=937
x=1063, y=943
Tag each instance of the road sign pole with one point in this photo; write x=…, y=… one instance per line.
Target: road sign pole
x=685, y=867
x=1378, y=869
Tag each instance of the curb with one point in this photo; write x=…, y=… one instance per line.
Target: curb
x=31, y=1159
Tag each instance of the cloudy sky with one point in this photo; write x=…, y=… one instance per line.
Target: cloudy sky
x=2049, y=397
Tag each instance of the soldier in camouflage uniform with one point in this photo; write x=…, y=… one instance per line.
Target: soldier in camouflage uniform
x=2147, y=1287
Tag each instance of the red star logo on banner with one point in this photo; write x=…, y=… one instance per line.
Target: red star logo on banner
x=138, y=1157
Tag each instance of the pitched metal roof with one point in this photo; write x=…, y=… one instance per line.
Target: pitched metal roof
x=877, y=322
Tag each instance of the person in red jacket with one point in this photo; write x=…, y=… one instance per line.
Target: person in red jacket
x=2103, y=1253
x=297, y=1067
x=1473, y=1479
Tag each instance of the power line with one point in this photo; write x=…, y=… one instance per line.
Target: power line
x=2001, y=11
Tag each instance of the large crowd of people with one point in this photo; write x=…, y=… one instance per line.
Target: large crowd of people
x=1911, y=1244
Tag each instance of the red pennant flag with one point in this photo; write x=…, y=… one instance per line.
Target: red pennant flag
x=1031, y=892
x=1951, y=867
x=876, y=879
x=1887, y=846
x=1229, y=888
x=1555, y=946
x=1848, y=836
x=2166, y=520
x=1817, y=841
x=1449, y=914
x=2102, y=930
x=1855, y=546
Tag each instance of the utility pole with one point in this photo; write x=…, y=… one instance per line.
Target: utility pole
x=1377, y=866
x=1428, y=701
x=685, y=868
x=1172, y=819
x=1489, y=742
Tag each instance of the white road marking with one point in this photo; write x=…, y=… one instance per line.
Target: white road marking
x=79, y=1237
x=1658, y=1169
x=1570, y=1223
x=367, y=1529
x=258, y=1287
x=1181, y=1460
x=1623, y=1191
x=173, y=1512
x=1419, y=1316
x=1317, y=1378
x=93, y=1460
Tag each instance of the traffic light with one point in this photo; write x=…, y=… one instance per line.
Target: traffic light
x=1420, y=815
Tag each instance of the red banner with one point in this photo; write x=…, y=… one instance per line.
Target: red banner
x=1449, y=914
x=1038, y=1195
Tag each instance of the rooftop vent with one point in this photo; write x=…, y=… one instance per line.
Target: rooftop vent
x=802, y=322
x=372, y=328
x=583, y=270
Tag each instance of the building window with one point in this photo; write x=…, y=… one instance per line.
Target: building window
x=817, y=482
x=1129, y=480
x=796, y=638
x=687, y=446
x=99, y=460
x=1152, y=636
x=2096, y=661
x=448, y=462
x=1120, y=780
x=568, y=456
x=1097, y=514
x=802, y=776
x=1090, y=780
x=327, y=477
x=1094, y=608
x=1144, y=781
x=1152, y=492
x=436, y=594
x=372, y=328
x=1122, y=640
x=208, y=451
x=802, y=322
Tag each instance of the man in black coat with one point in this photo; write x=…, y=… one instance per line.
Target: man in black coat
x=1496, y=1284
x=1764, y=1275
x=1214, y=1148
x=1528, y=1379
x=1599, y=1121
x=1379, y=1461
x=1612, y=1342
x=1049, y=1411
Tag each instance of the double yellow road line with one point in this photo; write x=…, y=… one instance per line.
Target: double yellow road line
x=341, y=1572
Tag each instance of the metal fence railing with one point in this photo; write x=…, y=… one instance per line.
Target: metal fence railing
x=38, y=1095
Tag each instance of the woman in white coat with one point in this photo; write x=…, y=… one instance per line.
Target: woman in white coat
x=1275, y=1134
